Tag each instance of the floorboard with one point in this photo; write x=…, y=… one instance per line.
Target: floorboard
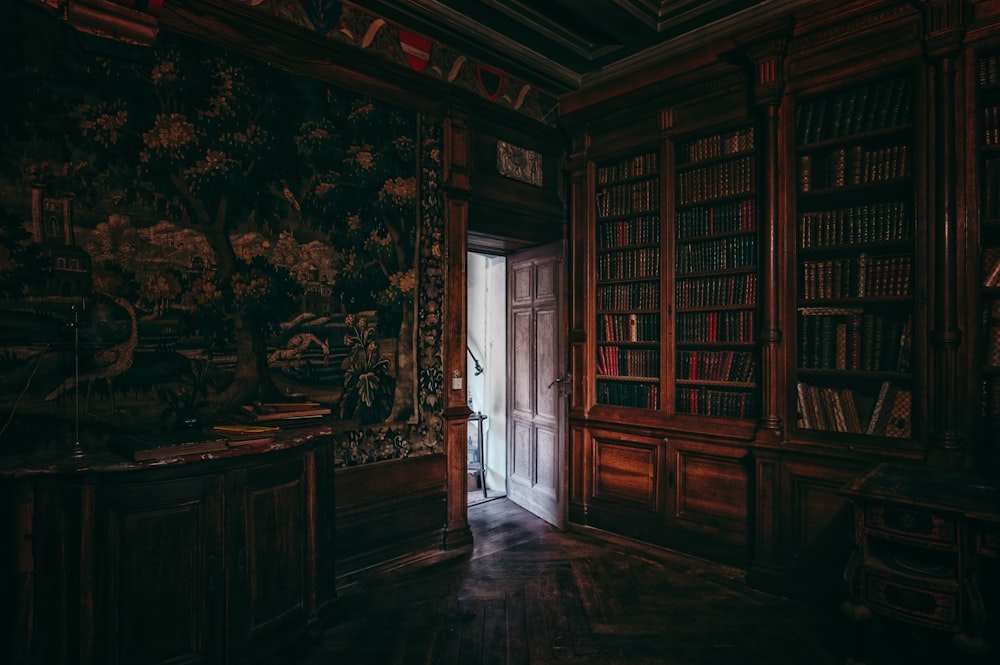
x=530, y=594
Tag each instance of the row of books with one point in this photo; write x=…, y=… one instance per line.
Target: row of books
x=730, y=178
x=857, y=166
x=717, y=145
x=630, y=264
x=716, y=254
x=863, y=224
x=618, y=361
x=621, y=393
x=987, y=70
x=643, y=230
x=846, y=339
x=631, y=167
x=837, y=410
x=862, y=277
x=991, y=125
x=736, y=326
x=630, y=295
x=722, y=217
x=990, y=188
x=714, y=402
x=628, y=328
x=630, y=198
x=863, y=109
x=719, y=290
x=736, y=366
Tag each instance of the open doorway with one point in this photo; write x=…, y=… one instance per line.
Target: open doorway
x=487, y=374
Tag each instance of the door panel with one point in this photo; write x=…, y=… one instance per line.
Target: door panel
x=537, y=457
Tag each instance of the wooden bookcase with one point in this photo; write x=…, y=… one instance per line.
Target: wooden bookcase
x=988, y=80
x=855, y=248
x=715, y=275
x=628, y=281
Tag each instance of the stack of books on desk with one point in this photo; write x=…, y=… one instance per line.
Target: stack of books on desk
x=239, y=434
x=167, y=445
x=284, y=413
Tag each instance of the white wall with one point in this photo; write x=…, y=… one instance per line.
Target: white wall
x=487, y=324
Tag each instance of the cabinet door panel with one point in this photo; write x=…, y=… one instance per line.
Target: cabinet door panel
x=711, y=489
x=159, y=576
x=268, y=568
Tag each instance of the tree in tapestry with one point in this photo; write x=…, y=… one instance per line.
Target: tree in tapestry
x=209, y=231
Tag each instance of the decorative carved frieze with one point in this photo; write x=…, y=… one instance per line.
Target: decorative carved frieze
x=519, y=163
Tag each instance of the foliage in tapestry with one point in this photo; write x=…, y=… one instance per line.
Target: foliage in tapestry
x=200, y=231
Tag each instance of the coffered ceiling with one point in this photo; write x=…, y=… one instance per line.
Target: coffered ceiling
x=566, y=45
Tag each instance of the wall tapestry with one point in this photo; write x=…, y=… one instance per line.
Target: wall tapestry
x=190, y=232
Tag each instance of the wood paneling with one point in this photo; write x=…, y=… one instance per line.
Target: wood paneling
x=390, y=514
x=710, y=489
x=627, y=470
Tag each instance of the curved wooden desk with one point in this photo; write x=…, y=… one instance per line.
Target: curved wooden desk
x=224, y=558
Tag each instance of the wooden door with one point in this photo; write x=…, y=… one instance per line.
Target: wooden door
x=536, y=457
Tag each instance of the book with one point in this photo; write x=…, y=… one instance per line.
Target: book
x=166, y=445
x=898, y=423
x=261, y=412
x=880, y=413
x=239, y=434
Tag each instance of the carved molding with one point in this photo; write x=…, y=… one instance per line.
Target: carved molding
x=943, y=25
x=117, y=21
x=836, y=32
x=668, y=116
x=769, y=70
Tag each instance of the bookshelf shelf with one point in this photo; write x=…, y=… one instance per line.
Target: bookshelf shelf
x=747, y=385
x=855, y=250
x=628, y=294
x=715, y=275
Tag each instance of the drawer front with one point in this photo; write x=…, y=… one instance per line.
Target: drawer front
x=988, y=541
x=912, y=523
x=939, y=608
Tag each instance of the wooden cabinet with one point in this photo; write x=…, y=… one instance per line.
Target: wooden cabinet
x=829, y=197
x=921, y=559
x=223, y=560
x=159, y=594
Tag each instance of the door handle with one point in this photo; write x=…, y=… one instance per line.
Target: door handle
x=556, y=381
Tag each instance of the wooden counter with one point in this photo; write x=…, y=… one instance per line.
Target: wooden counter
x=221, y=558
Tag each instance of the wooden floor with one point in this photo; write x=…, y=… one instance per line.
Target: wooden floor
x=533, y=594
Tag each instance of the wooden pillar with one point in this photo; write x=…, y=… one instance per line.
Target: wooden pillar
x=768, y=58
x=457, y=191
x=943, y=34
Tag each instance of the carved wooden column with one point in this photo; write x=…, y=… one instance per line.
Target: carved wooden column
x=457, y=191
x=943, y=34
x=581, y=285
x=769, y=86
